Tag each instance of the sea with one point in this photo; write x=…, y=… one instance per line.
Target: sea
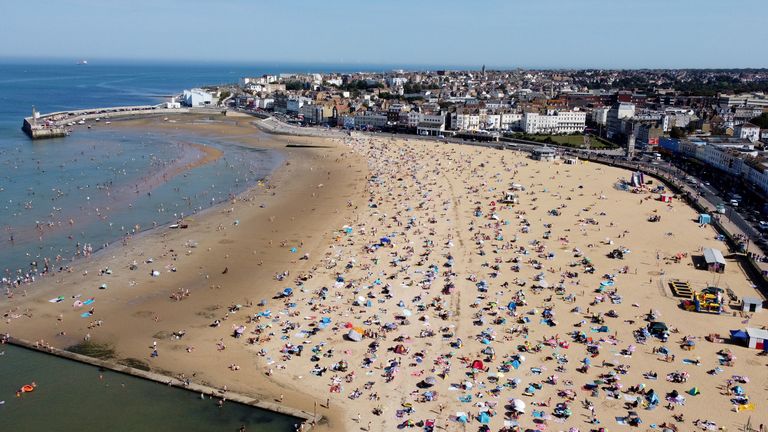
x=60, y=198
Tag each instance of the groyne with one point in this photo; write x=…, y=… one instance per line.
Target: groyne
x=307, y=418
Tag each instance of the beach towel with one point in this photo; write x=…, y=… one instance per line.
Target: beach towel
x=745, y=407
x=56, y=299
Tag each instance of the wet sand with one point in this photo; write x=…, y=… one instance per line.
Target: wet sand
x=438, y=287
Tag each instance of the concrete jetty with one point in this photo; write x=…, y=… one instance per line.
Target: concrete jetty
x=59, y=124
x=307, y=418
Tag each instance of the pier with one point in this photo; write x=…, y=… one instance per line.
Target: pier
x=59, y=124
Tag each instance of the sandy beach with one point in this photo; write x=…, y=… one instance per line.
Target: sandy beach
x=383, y=277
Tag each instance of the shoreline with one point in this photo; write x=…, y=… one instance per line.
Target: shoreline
x=203, y=155
x=152, y=239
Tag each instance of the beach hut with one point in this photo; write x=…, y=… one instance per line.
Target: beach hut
x=704, y=219
x=757, y=338
x=714, y=259
x=751, y=304
x=665, y=198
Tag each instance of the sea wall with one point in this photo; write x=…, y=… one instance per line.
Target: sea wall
x=57, y=124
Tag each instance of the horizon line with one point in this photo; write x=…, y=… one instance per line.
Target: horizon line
x=368, y=66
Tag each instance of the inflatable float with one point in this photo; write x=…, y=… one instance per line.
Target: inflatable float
x=27, y=388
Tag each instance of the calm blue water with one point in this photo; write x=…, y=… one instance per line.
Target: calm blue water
x=60, y=196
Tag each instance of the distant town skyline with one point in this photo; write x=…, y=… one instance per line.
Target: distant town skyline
x=497, y=33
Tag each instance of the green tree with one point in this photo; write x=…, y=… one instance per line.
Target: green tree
x=677, y=133
x=761, y=121
x=294, y=85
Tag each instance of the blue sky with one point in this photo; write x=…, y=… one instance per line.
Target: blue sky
x=501, y=33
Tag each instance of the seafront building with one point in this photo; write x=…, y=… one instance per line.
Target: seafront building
x=717, y=130
x=196, y=98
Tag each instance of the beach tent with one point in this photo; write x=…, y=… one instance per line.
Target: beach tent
x=694, y=391
x=287, y=292
x=518, y=405
x=484, y=418
x=355, y=335
x=739, y=336
x=652, y=398
x=704, y=219
x=478, y=364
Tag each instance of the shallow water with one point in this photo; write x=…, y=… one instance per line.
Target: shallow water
x=97, y=186
x=72, y=397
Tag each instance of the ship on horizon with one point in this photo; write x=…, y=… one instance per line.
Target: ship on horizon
x=82, y=62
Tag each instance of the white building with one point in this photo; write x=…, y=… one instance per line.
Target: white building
x=196, y=97
x=172, y=104
x=510, y=121
x=625, y=110
x=264, y=103
x=337, y=81
x=757, y=174
x=396, y=81
x=727, y=155
x=751, y=100
x=600, y=115
x=747, y=131
x=294, y=104
x=555, y=122
x=465, y=120
x=410, y=118
x=370, y=119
